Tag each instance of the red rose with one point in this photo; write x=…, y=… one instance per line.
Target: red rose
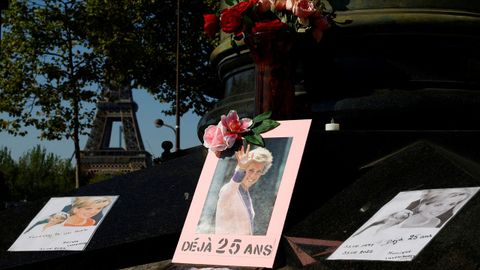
x=243, y=6
x=268, y=26
x=210, y=24
x=264, y=6
x=231, y=21
x=280, y=5
x=320, y=22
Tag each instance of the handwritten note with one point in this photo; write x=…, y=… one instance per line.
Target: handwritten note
x=65, y=223
x=404, y=226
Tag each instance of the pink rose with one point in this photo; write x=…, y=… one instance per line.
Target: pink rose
x=303, y=8
x=233, y=123
x=289, y=4
x=216, y=138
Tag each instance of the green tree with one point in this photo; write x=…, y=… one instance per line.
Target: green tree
x=138, y=40
x=36, y=174
x=7, y=164
x=42, y=174
x=57, y=55
x=8, y=171
x=48, y=71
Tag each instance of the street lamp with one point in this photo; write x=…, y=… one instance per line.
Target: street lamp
x=159, y=123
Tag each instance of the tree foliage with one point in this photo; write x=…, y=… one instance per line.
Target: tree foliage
x=56, y=52
x=47, y=70
x=57, y=55
x=36, y=174
x=138, y=40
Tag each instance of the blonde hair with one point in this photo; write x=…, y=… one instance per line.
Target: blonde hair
x=433, y=196
x=262, y=155
x=442, y=195
x=80, y=202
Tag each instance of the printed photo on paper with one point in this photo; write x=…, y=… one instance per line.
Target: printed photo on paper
x=64, y=223
x=240, y=204
x=405, y=225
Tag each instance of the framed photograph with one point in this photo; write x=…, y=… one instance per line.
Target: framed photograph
x=405, y=225
x=64, y=223
x=237, y=213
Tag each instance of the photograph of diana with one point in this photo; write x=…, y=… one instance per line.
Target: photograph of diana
x=430, y=208
x=244, y=188
x=405, y=225
x=64, y=223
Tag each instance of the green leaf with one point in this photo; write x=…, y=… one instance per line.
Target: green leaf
x=229, y=2
x=265, y=125
x=262, y=117
x=255, y=139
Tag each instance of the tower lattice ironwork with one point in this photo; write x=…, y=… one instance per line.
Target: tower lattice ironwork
x=99, y=157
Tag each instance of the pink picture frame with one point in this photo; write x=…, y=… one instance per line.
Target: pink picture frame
x=202, y=242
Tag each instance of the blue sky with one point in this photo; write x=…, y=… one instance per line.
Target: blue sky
x=148, y=110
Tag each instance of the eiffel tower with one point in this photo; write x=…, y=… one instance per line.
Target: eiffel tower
x=99, y=157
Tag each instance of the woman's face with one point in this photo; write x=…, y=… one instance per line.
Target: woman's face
x=253, y=172
x=56, y=219
x=398, y=217
x=436, y=208
x=89, y=210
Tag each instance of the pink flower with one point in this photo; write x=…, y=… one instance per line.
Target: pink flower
x=217, y=139
x=233, y=123
x=289, y=4
x=303, y=8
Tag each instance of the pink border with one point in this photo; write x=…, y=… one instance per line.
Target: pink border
x=193, y=248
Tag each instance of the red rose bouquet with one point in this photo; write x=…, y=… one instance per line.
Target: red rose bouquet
x=252, y=16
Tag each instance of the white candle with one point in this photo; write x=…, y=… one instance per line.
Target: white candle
x=332, y=126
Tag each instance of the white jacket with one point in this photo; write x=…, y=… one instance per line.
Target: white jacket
x=232, y=216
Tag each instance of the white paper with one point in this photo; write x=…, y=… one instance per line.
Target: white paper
x=404, y=226
x=65, y=223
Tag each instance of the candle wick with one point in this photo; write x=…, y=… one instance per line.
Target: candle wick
x=332, y=121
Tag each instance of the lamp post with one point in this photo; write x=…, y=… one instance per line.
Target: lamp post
x=159, y=123
x=177, y=83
